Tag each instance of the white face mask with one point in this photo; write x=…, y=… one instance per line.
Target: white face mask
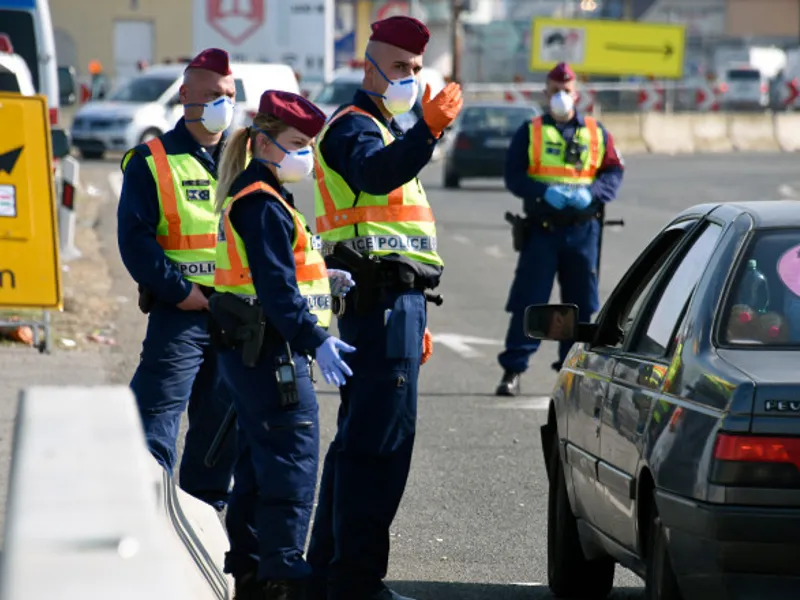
x=296, y=165
x=217, y=115
x=400, y=95
x=561, y=104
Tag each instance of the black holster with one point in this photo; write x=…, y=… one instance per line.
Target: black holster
x=146, y=300
x=237, y=324
x=520, y=229
x=374, y=278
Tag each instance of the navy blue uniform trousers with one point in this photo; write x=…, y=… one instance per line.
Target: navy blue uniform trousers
x=571, y=254
x=270, y=507
x=178, y=368
x=368, y=462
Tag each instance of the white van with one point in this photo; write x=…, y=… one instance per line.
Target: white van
x=27, y=23
x=745, y=87
x=148, y=105
x=15, y=76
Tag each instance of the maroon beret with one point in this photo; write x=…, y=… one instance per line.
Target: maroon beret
x=561, y=73
x=294, y=110
x=403, y=32
x=211, y=59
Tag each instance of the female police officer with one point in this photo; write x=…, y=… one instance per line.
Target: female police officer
x=268, y=262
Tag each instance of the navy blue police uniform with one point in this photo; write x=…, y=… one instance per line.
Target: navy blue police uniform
x=178, y=365
x=563, y=243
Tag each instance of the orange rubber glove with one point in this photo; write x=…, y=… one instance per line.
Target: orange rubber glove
x=427, y=346
x=442, y=110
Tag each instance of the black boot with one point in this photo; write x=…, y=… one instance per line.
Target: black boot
x=509, y=384
x=247, y=587
x=284, y=589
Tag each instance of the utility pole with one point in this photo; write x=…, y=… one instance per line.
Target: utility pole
x=456, y=7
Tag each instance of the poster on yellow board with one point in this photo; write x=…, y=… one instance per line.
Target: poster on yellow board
x=598, y=47
x=30, y=266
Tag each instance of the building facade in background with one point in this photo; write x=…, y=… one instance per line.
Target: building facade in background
x=119, y=33
x=495, y=40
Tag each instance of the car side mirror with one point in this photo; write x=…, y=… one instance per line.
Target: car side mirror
x=555, y=322
x=60, y=143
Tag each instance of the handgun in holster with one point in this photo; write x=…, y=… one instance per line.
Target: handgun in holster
x=241, y=325
x=147, y=299
x=519, y=230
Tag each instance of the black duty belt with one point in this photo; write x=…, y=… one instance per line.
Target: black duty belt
x=557, y=221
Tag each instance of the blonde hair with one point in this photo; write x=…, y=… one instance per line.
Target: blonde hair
x=234, y=155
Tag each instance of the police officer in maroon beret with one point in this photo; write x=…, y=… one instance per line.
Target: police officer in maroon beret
x=565, y=167
x=268, y=259
x=167, y=236
x=370, y=200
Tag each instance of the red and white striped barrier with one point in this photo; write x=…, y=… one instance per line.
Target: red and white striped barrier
x=651, y=97
x=707, y=97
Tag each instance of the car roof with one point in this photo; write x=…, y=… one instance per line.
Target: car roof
x=765, y=213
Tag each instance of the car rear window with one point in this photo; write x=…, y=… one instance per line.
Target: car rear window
x=763, y=306
x=744, y=75
x=495, y=118
x=18, y=25
x=8, y=81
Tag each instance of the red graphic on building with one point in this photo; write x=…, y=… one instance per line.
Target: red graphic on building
x=235, y=20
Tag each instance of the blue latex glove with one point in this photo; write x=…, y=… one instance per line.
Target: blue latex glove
x=330, y=363
x=580, y=197
x=556, y=196
x=341, y=282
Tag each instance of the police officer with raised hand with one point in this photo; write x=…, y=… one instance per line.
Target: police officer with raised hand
x=564, y=167
x=167, y=237
x=372, y=211
x=270, y=275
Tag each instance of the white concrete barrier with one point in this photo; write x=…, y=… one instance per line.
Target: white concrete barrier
x=787, y=131
x=752, y=132
x=667, y=134
x=710, y=132
x=627, y=132
x=84, y=519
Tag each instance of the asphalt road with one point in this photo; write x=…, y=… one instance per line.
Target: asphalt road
x=473, y=520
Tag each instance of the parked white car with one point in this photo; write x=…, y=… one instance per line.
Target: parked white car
x=148, y=105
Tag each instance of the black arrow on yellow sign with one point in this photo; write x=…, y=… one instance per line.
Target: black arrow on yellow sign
x=665, y=49
x=9, y=159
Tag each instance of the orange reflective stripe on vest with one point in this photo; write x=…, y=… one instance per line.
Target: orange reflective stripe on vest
x=238, y=273
x=536, y=167
x=174, y=240
x=394, y=212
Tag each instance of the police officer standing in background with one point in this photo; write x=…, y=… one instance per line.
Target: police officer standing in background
x=369, y=199
x=167, y=239
x=564, y=167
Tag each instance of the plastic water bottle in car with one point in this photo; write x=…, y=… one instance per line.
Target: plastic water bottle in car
x=754, y=289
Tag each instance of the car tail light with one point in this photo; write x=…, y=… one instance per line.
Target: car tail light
x=463, y=143
x=252, y=114
x=54, y=116
x=748, y=460
x=723, y=87
x=764, y=88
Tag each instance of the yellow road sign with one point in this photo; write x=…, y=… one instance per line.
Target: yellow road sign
x=609, y=47
x=30, y=267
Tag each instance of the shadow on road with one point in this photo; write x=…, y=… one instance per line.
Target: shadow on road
x=434, y=590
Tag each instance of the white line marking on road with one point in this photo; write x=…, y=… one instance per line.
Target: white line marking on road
x=530, y=403
x=115, y=183
x=461, y=239
x=788, y=191
x=531, y=584
x=494, y=251
x=461, y=344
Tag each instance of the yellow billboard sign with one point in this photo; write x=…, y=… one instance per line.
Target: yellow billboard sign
x=600, y=47
x=30, y=266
